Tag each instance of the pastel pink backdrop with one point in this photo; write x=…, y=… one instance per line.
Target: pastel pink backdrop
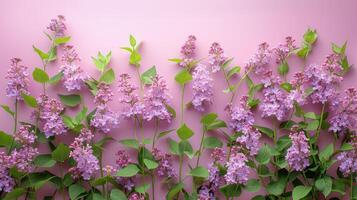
x=163, y=26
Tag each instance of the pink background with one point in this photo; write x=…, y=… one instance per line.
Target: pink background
x=163, y=26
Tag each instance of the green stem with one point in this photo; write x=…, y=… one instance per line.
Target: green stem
x=182, y=102
x=15, y=126
x=200, y=149
x=320, y=123
x=153, y=185
x=156, y=132
x=351, y=186
x=101, y=170
x=239, y=83
x=180, y=169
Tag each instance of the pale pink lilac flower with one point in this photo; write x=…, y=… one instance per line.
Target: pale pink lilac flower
x=345, y=114
x=23, y=157
x=284, y=50
x=188, y=51
x=218, y=154
x=133, y=106
x=216, y=57
x=7, y=183
x=25, y=135
x=202, y=87
x=165, y=168
x=298, y=153
x=241, y=117
x=18, y=80
x=297, y=94
x=73, y=76
x=58, y=26
x=237, y=168
x=156, y=101
x=104, y=94
x=259, y=61
x=348, y=159
x=122, y=161
x=86, y=163
x=136, y=196
x=250, y=140
x=50, y=119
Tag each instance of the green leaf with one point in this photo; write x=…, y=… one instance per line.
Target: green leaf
x=128, y=171
x=61, y=153
x=148, y=75
x=266, y=131
x=135, y=58
x=14, y=194
x=171, y=110
x=131, y=143
x=29, y=100
x=283, y=143
x=277, y=187
x=174, y=191
x=62, y=40
x=174, y=147
x=324, y=185
x=200, y=172
x=227, y=63
x=8, y=110
x=39, y=179
x=132, y=41
x=108, y=77
x=300, y=192
x=117, y=194
x=209, y=118
x=216, y=125
x=234, y=70
x=325, y=154
x=253, y=185
x=175, y=60
x=286, y=86
x=310, y=36
x=346, y=147
x=339, y=50
x=43, y=55
x=70, y=100
x=40, y=76
x=211, y=142
x=303, y=51
x=56, y=78
x=142, y=188
x=263, y=156
x=185, y=148
x=184, y=132
x=101, y=62
x=283, y=68
x=232, y=190
x=183, y=77
x=311, y=115
x=338, y=185
x=150, y=164
x=164, y=133
x=313, y=125
x=44, y=160
x=5, y=139
x=81, y=115
x=75, y=191
x=97, y=196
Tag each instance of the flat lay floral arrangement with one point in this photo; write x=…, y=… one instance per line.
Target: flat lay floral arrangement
x=281, y=161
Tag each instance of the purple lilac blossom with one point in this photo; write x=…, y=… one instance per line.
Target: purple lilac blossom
x=188, y=51
x=282, y=51
x=216, y=57
x=218, y=154
x=73, y=76
x=25, y=135
x=241, y=117
x=165, y=168
x=204, y=193
x=86, y=163
x=7, y=183
x=50, y=119
x=133, y=106
x=345, y=113
x=237, y=168
x=202, y=87
x=297, y=94
x=57, y=26
x=156, y=101
x=259, y=61
x=348, y=159
x=136, y=196
x=18, y=80
x=250, y=140
x=298, y=153
x=122, y=161
x=23, y=157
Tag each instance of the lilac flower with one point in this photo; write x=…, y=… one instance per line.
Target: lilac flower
x=237, y=169
x=50, y=119
x=156, y=101
x=23, y=157
x=218, y=154
x=133, y=105
x=136, y=196
x=103, y=95
x=18, y=80
x=241, y=117
x=73, y=76
x=298, y=154
x=165, y=168
x=104, y=119
x=86, y=163
x=122, y=161
x=204, y=193
x=25, y=135
x=214, y=178
x=202, y=87
x=275, y=99
x=58, y=26
x=250, y=140
x=188, y=51
x=345, y=114
x=348, y=159
x=284, y=50
x=7, y=183
x=297, y=94
x=216, y=57
x=323, y=79
x=259, y=60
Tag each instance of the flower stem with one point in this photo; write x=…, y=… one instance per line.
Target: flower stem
x=182, y=102
x=153, y=185
x=15, y=126
x=156, y=131
x=200, y=149
x=351, y=185
x=239, y=83
x=320, y=123
x=153, y=146
x=180, y=169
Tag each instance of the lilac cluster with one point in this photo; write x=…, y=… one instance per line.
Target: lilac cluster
x=122, y=161
x=260, y=60
x=49, y=115
x=250, y=140
x=323, y=78
x=297, y=94
x=241, y=117
x=6, y=181
x=136, y=196
x=348, y=159
x=188, y=51
x=104, y=119
x=18, y=80
x=156, y=101
x=216, y=57
x=57, y=26
x=282, y=51
x=82, y=152
x=204, y=193
x=202, y=87
x=298, y=154
x=237, y=168
x=133, y=106
x=23, y=157
x=25, y=135
x=165, y=168
x=345, y=113
x=275, y=99
x=73, y=76
x=218, y=154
